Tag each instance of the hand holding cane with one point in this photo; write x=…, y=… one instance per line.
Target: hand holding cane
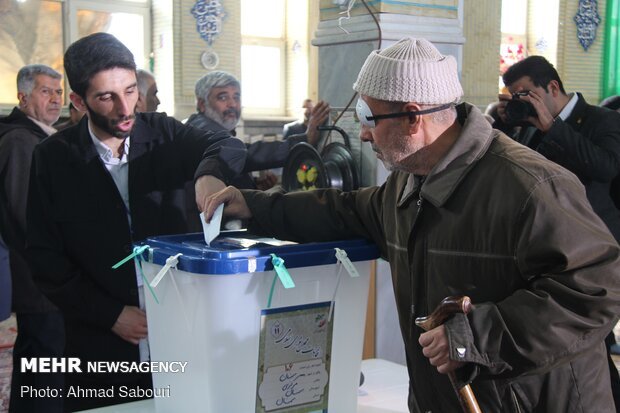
x=446, y=309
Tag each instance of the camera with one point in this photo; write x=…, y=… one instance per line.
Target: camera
x=518, y=110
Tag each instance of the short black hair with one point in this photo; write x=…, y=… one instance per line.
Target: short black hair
x=90, y=55
x=537, y=68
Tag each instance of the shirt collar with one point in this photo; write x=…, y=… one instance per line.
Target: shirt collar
x=46, y=128
x=568, y=109
x=103, y=150
x=412, y=187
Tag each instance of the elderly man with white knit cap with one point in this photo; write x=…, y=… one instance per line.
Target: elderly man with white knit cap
x=467, y=211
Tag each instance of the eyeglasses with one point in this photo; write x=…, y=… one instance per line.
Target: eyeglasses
x=366, y=118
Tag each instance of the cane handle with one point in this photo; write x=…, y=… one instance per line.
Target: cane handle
x=446, y=309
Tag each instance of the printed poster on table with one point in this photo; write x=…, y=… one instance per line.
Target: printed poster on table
x=294, y=359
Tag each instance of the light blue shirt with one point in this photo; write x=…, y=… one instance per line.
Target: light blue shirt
x=117, y=167
x=568, y=109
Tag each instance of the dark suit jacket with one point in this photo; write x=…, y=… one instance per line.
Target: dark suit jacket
x=294, y=128
x=5, y=282
x=78, y=226
x=18, y=137
x=260, y=155
x=588, y=145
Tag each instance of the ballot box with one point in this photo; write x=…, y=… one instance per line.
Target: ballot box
x=258, y=324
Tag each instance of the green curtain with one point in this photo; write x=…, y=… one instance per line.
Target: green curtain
x=611, y=57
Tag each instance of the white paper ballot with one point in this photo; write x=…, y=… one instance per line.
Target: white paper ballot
x=212, y=230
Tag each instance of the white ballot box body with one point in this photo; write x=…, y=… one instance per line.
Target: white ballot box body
x=207, y=312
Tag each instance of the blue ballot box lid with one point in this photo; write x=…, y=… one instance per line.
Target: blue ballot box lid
x=235, y=252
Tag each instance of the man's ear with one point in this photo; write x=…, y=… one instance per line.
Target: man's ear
x=78, y=102
x=554, y=88
x=201, y=105
x=414, y=120
x=23, y=99
x=141, y=103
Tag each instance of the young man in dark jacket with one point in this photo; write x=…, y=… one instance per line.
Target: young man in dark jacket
x=468, y=211
x=96, y=188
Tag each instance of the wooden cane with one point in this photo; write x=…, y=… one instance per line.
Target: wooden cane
x=446, y=309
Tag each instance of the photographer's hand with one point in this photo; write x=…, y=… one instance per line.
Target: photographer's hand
x=545, y=119
x=501, y=108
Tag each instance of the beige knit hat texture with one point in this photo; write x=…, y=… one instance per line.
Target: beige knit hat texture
x=411, y=70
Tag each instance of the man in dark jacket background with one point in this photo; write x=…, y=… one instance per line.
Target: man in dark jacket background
x=218, y=108
x=583, y=138
x=96, y=188
x=40, y=330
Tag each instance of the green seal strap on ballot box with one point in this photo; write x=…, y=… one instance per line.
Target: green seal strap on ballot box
x=285, y=277
x=136, y=251
x=282, y=273
x=137, y=256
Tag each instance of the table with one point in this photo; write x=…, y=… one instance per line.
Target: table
x=385, y=388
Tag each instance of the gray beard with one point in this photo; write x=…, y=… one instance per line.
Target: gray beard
x=228, y=125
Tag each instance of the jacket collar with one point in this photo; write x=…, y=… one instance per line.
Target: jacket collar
x=139, y=135
x=84, y=142
x=475, y=138
x=18, y=118
x=578, y=112
x=201, y=121
x=568, y=108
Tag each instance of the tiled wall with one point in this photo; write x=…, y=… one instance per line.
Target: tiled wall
x=580, y=70
x=178, y=47
x=163, y=48
x=480, y=71
x=427, y=8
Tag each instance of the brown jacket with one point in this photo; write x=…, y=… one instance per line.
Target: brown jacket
x=498, y=222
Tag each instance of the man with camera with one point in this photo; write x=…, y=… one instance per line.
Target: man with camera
x=583, y=138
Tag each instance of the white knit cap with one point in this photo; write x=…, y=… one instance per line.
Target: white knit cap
x=411, y=70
